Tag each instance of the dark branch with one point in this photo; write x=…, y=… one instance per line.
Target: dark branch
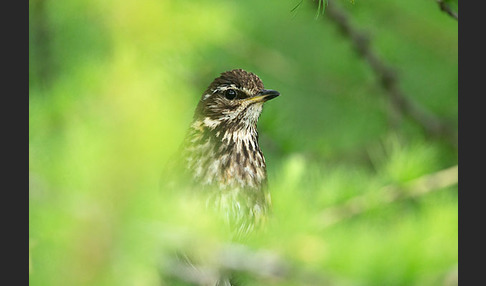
x=446, y=8
x=389, y=194
x=402, y=104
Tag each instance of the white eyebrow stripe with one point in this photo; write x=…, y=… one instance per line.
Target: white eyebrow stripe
x=246, y=90
x=225, y=87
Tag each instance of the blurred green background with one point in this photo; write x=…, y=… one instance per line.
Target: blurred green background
x=112, y=89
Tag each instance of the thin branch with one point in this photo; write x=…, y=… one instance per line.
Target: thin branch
x=446, y=8
x=263, y=265
x=297, y=6
x=388, y=79
x=389, y=194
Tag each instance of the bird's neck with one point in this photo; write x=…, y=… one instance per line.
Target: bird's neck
x=228, y=157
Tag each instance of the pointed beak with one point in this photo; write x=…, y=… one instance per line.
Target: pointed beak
x=269, y=94
x=264, y=95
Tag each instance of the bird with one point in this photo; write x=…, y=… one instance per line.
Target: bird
x=221, y=152
x=220, y=161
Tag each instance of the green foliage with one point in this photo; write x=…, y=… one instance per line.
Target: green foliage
x=113, y=86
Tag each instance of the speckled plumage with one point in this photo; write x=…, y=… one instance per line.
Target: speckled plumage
x=221, y=151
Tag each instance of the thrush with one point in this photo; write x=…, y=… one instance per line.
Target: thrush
x=221, y=151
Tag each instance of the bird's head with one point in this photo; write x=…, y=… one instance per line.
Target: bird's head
x=234, y=99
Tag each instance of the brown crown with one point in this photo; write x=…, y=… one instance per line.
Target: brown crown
x=240, y=78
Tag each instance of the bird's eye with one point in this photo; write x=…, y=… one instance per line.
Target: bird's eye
x=230, y=94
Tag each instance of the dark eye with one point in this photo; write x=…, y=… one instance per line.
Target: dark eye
x=230, y=94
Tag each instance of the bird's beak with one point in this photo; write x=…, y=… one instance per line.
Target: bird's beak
x=264, y=95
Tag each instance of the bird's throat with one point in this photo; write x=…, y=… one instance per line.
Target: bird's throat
x=227, y=158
